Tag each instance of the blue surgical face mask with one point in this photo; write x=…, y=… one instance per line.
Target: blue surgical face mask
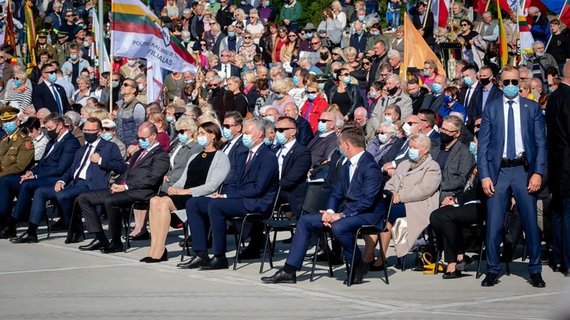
x=308, y=35
x=372, y=94
x=426, y=73
x=115, y=84
x=468, y=81
x=203, y=141
x=107, y=136
x=278, y=96
x=280, y=138
x=82, y=121
x=267, y=142
x=295, y=81
x=388, y=119
x=231, y=34
x=347, y=80
x=361, y=17
x=269, y=118
x=448, y=99
x=247, y=141
x=473, y=149
x=375, y=33
x=144, y=143
x=9, y=127
x=321, y=86
x=170, y=119
x=436, y=88
x=17, y=82
x=227, y=133
x=511, y=91
x=52, y=77
x=73, y=56
x=182, y=137
x=382, y=137
x=414, y=154
x=322, y=127
x=312, y=96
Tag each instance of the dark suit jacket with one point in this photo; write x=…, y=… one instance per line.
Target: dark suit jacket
x=432, y=102
x=234, y=70
x=558, y=120
x=476, y=104
x=418, y=23
x=393, y=152
x=435, y=142
x=97, y=175
x=362, y=193
x=457, y=167
x=296, y=165
x=360, y=46
x=304, y=132
x=59, y=159
x=144, y=178
x=42, y=97
x=492, y=138
x=257, y=185
x=477, y=95
x=321, y=148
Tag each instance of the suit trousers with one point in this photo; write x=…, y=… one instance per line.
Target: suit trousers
x=113, y=202
x=561, y=230
x=9, y=187
x=64, y=199
x=448, y=223
x=219, y=210
x=343, y=230
x=26, y=193
x=512, y=181
x=197, y=213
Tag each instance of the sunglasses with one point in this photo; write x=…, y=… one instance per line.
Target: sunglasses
x=366, y=63
x=128, y=85
x=411, y=123
x=50, y=72
x=464, y=24
x=282, y=129
x=227, y=126
x=180, y=131
x=2, y=57
x=310, y=92
x=247, y=37
x=511, y=81
x=314, y=43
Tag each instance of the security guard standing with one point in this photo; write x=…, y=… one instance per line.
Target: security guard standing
x=16, y=156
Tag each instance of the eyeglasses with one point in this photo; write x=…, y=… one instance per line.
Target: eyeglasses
x=125, y=84
x=292, y=36
x=227, y=126
x=447, y=131
x=314, y=43
x=16, y=78
x=510, y=81
x=311, y=92
x=345, y=74
x=464, y=24
x=247, y=37
x=366, y=63
x=282, y=129
x=68, y=15
x=324, y=120
x=107, y=129
x=182, y=131
x=50, y=72
x=143, y=138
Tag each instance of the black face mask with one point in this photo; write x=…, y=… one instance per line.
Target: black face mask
x=90, y=137
x=52, y=134
x=485, y=81
x=392, y=91
x=416, y=94
x=324, y=56
x=445, y=138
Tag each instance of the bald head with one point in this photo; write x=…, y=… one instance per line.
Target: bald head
x=567, y=72
x=361, y=116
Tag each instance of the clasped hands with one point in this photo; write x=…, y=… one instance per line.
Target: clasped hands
x=328, y=218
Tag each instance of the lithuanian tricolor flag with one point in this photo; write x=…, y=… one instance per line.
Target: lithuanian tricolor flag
x=138, y=33
x=503, y=48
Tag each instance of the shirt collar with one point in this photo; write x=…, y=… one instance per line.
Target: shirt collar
x=63, y=135
x=354, y=160
x=324, y=135
x=516, y=100
x=289, y=144
x=254, y=149
x=95, y=143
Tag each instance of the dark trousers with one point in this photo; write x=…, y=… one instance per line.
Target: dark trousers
x=448, y=223
x=219, y=210
x=512, y=181
x=26, y=193
x=197, y=213
x=112, y=202
x=9, y=187
x=64, y=199
x=561, y=230
x=343, y=230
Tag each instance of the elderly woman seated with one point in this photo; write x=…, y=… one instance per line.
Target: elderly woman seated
x=203, y=174
x=387, y=135
x=415, y=194
x=457, y=211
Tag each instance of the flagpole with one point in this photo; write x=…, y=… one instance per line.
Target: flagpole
x=519, y=10
x=111, y=60
x=101, y=41
x=428, y=10
x=550, y=38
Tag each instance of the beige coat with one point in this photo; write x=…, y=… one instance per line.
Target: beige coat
x=419, y=191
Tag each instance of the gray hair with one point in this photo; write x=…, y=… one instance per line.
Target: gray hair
x=455, y=120
x=71, y=118
x=186, y=123
x=338, y=120
x=258, y=122
x=389, y=127
x=361, y=110
x=421, y=139
x=394, y=54
x=394, y=77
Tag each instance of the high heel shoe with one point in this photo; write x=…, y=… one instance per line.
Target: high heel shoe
x=163, y=258
x=145, y=259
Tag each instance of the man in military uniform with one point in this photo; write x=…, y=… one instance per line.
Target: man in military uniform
x=16, y=153
x=62, y=47
x=43, y=46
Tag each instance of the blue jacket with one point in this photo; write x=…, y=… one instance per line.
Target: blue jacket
x=304, y=132
x=59, y=159
x=362, y=195
x=258, y=185
x=492, y=138
x=296, y=165
x=98, y=175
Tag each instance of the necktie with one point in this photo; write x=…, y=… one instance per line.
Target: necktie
x=280, y=152
x=467, y=98
x=247, y=163
x=140, y=158
x=511, y=147
x=346, y=168
x=84, y=161
x=226, y=146
x=57, y=100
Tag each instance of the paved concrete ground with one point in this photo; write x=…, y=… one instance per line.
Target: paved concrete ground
x=51, y=280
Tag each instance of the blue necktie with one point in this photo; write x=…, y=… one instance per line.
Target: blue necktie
x=511, y=147
x=347, y=171
x=57, y=100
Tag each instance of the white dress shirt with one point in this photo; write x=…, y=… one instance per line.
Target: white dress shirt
x=519, y=145
x=83, y=173
x=282, y=153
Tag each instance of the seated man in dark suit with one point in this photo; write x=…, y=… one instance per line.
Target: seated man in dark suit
x=325, y=142
x=427, y=125
x=55, y=161
x=304, y=132
x=355, y=201
x=142, y=178
x=90, y=170
x=253, y=190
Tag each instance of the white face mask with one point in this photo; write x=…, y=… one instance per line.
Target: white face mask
x=407, y=129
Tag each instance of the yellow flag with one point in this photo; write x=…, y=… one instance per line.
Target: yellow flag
x=416, y=50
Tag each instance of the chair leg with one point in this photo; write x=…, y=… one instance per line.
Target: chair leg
x=351, y=269
x=404, y=262
x=272, y=249
x=508, y=267
x=267, y=244
x=314, y=262
x=184, y=247
x=127, y=221
x=238, y=244
x=328, y=253
x=383, y=258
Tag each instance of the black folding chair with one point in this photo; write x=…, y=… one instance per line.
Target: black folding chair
x=369, y=229
x=131, y=213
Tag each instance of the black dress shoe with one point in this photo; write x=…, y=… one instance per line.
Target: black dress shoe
x=566, y=273
x=7, y=232
x=25, y=238
x=451, y=275
x=112, y=247
x=96, y=244
x=144, y=235
x=536, y=280
x=187, y=240
x=490, y=280
x=74, y=237
x=281, y=277
x=249, y=254
x=194, y=263
x=216, y=263
x=190, y=258
x=464, y=264
x=161, y=259
x=59, y=226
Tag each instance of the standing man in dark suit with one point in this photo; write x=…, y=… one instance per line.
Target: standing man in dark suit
x=418, y=16
x=229, y=69
x=253, y=189
x=48, y=94
x=511, y=157
x=55, y=161
x=558, y=121
x=90, y=170
x=489, y=92
x=143, y=176
x=354, y=202
x=304, y=132
x=473, y=89
x=325, y=142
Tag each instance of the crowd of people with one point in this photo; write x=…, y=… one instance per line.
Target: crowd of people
x=277, y=106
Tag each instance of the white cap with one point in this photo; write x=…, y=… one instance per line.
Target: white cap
x=109, y=124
